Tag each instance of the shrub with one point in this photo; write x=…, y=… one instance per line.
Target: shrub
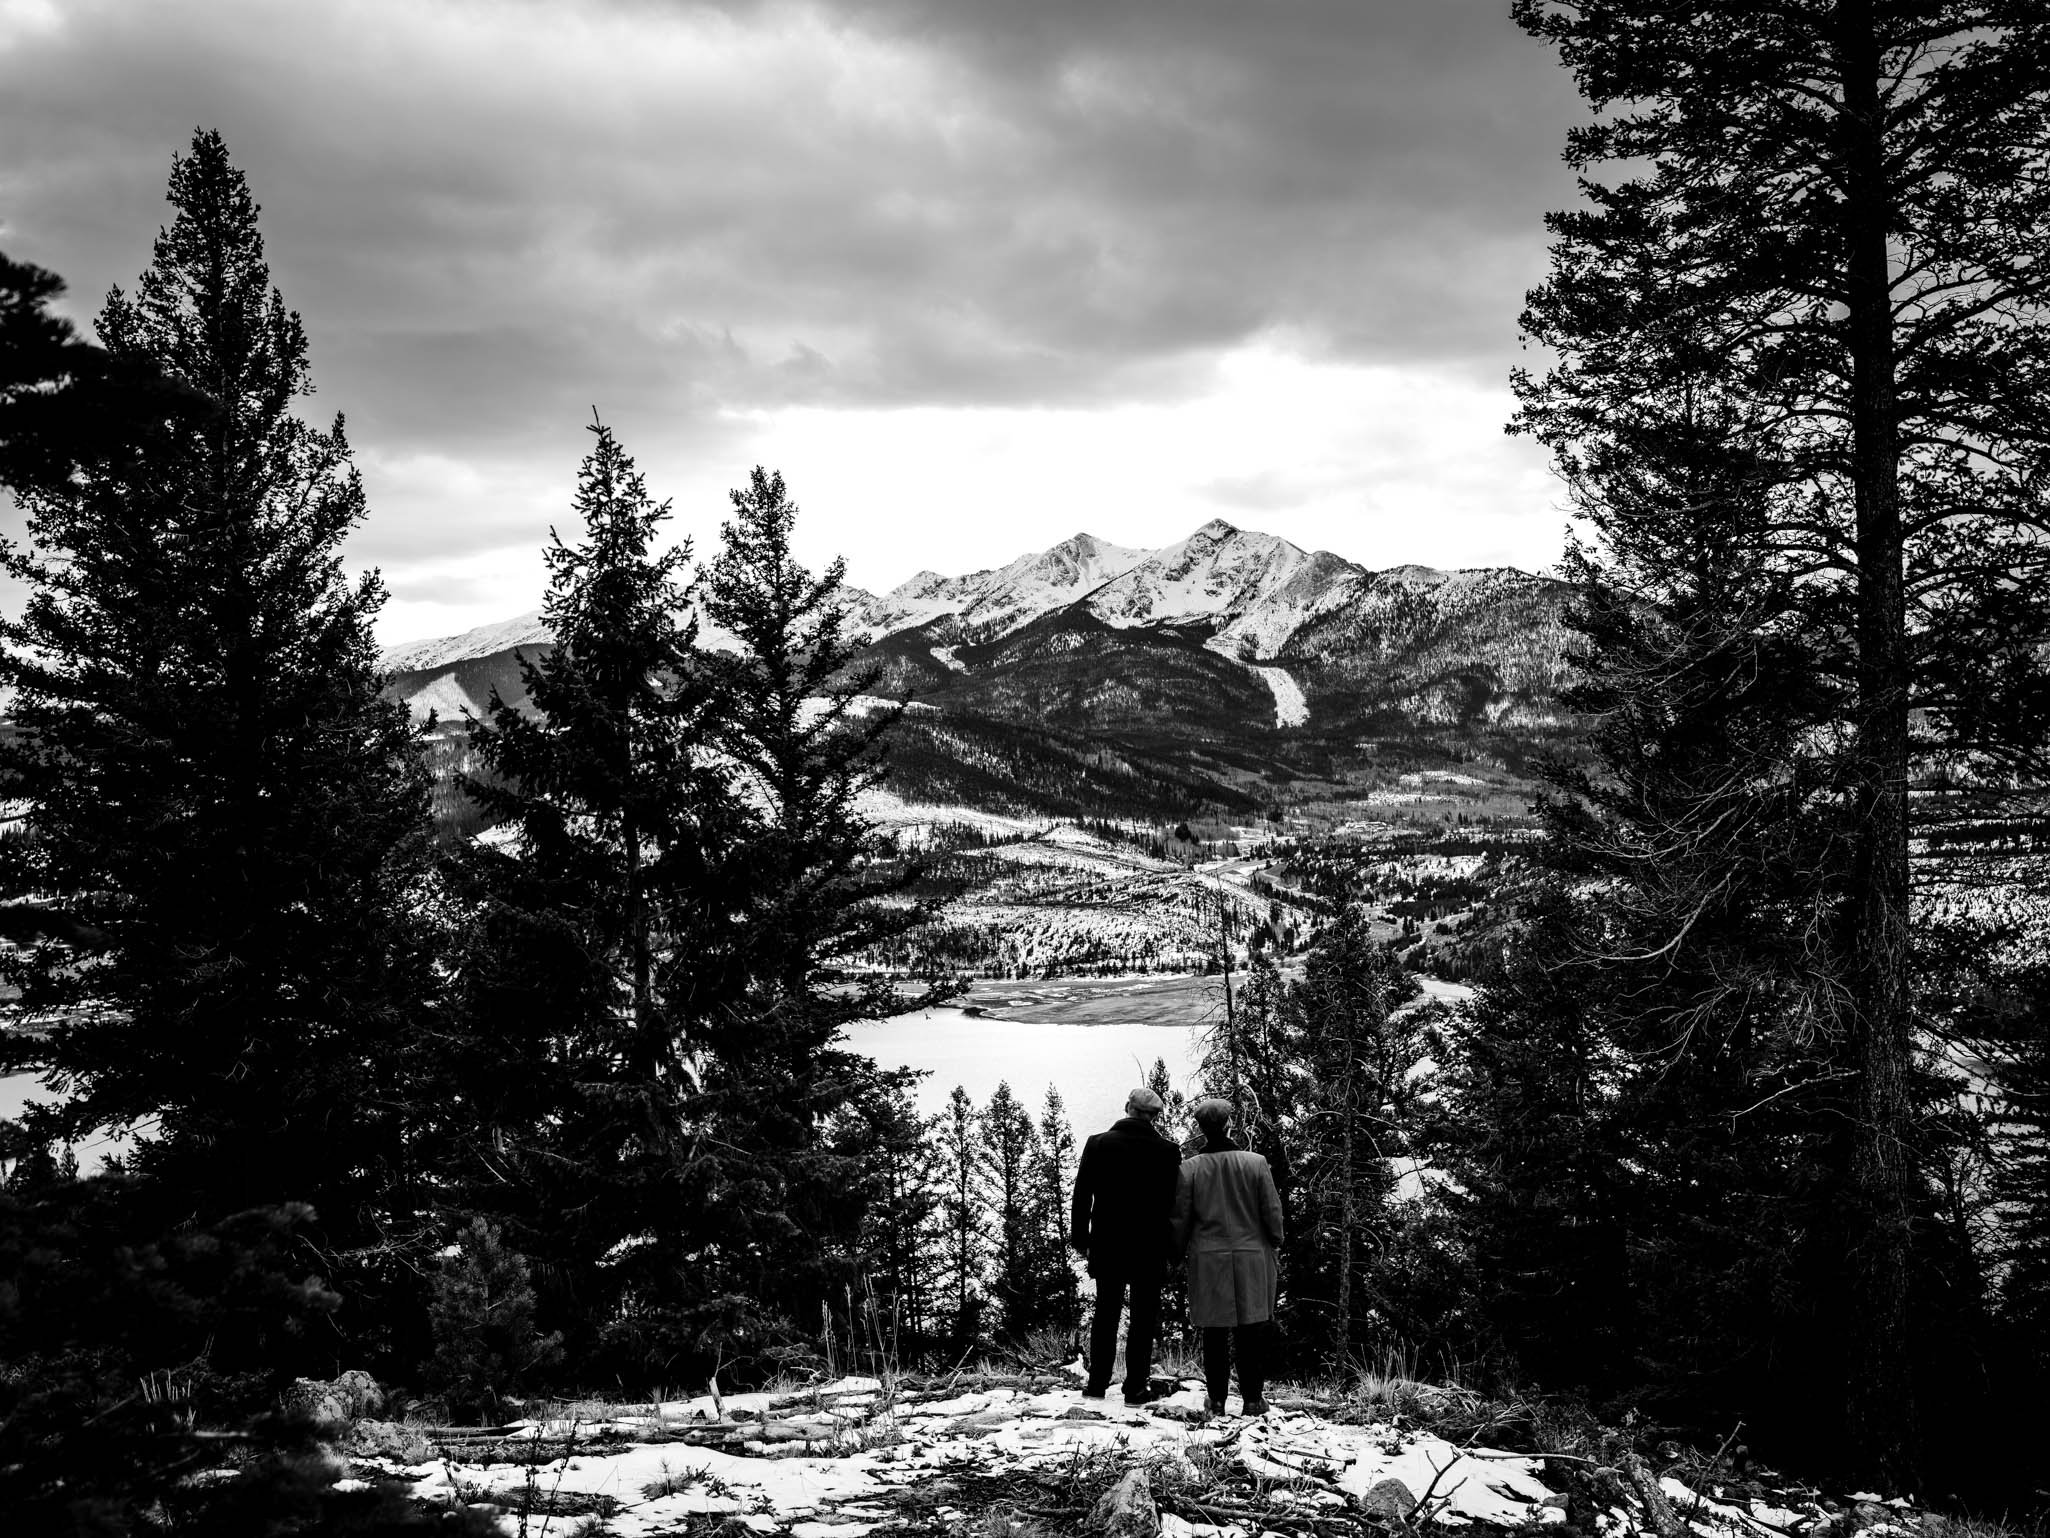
x=481, y=1311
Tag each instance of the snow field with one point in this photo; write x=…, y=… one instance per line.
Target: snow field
x=916, y=820
x=1290, y=708
x=853, y=1453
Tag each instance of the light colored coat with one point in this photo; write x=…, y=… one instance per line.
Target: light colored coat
x=1227, y=1216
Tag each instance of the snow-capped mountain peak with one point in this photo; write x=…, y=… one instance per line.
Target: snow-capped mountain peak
x=420, y=656
x=1255, y=586
x=996, y=602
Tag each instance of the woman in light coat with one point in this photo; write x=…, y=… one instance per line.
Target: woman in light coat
x=1227, y=1219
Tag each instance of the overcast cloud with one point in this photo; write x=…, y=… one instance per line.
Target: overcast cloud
x=973, y=273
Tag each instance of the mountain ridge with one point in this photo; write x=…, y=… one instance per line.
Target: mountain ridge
x=1227, y=631
x=1123, y=585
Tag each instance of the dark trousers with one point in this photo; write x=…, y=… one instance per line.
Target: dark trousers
x=1103, y=1331
x=1252, y=1355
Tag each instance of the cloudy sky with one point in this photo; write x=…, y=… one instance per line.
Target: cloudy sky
x=974, y=274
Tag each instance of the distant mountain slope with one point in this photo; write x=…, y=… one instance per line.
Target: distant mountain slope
x=1437, y=648
x=1073, y=669
x=455, y=675
x=1244, y=585
x=1230, y=655
x=986, y=604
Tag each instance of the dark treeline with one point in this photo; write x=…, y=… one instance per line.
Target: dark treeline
x=972, y=1252
x=455, y=1112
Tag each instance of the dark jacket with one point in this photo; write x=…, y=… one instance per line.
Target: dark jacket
x=1227, y=1218
x=1124, y=1193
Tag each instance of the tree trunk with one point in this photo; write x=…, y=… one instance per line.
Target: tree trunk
x=1231, y=1029
x=1341, y=1340
x=1880, y=1412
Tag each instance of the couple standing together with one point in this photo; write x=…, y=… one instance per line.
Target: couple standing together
x=1138, y=1205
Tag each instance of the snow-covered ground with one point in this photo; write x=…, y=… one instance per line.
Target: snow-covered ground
x=914, y=821
x=841, y=1463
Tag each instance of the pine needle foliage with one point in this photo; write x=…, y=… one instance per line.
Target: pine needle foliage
x=1829, y=216
x=605, y=967
x=214, y=781
x=481, y=1311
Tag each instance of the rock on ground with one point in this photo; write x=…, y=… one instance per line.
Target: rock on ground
x=1126, y=1509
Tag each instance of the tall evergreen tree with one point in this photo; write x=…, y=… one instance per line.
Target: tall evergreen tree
x=605, y=976
x=1008, y=1164
x=213, y=778
x=63, y=401
x=1831, y=212
x=964, y=1225
x=40, y=354
x=1357, y=1049
x=1026, y=1174
x=792, y=715
x=891, y=1153
x=1537, y=1166
x=798, y=720
x=2022, y=1183
x=1055, y=1178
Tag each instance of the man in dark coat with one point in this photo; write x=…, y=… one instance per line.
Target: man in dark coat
x=1227, y=1220
x=1124, y=1192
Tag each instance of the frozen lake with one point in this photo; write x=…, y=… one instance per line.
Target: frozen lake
x=1093, y=1066
x=18, y=1089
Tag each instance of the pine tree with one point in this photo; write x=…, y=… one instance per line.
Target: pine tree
x=1254, y=1061
x=797, y=718
x=1829, y=213
x=1357, y=1051
x=1055, y=1178
x=1537, y=1167
x=481, y=1311
x=2022, y=1185
x=605, y=975
x=213, y=778
x=39, y=354
x=1647, y=1128
x=64, y=402
x=891, y=1153
x=964, y=1225
x=791, y=714
x=1009, y=1160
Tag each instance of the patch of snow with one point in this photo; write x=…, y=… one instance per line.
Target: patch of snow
x=944, y=656
x=527, y=629
x=842, y=1480
x=421, y=656
x=447, y=699
x=1444, y=992
x=860, y=705
x=916, y=820
x=1290, y=708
